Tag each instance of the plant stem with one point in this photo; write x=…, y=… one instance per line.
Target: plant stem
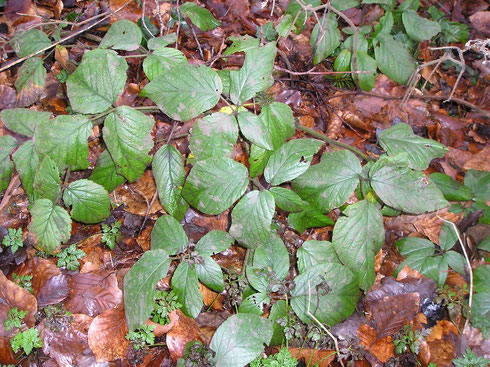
x=330, y=141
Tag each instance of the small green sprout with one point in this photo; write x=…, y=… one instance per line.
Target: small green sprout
x=24, y=281
x=111, y=234
x=68, y=258
x=470, y=359
x=27, y=340
x=164, y=304
x=13, y=239
x=14, y=318
x=142, y=337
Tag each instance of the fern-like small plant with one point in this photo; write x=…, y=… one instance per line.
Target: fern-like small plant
x=68, y=258
x=13, y=239
x=470, y=359
x=27, y=340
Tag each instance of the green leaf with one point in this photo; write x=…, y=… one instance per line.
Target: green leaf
x=394, y=60
x=168, y=235
x=7, y=144
x=418, y=28
x=122, y=35
x=95, y=84
x=162, y=60
x=214, y=136
x=255, y=129
x=400, y=139
x=46, y=184
x=344, y=4
x=255, y=74
x=23, y=120
x=329, y=289
x=251, y=218
x=32, y=41
x=139, y=286
x=30, y=82
x=68, y=147
x=214, y=184
x=50, y=224
x=279, y=122
x=456, y=261
x=365, y=63
x=357, y=238
x=241, y=43
x=485, y=244
x=257, y=160
x=362, y=45
x=287, y=199
x=447, y=236
x=309, y=217
x=213, y=242
x=290, y=160
x=406, y=190
x=186, y=286
x=90, y=201
x=240, y=339
x=254, y=304
x=328, y=184
x=385, y=25
x=481, y=300
x=325, y=38
x=479, y=182
x=185, y=91
x=454, y=31
x=418, y=252
x=314, y=252
x=200, y=17
x=270, y=265
x=169, y=173
x=127, y=136
x=278, y=310
x=160, y=42
x=105, y=173
x=26, y=163
x=299, y=20
x=209, y=272
x=450, y=188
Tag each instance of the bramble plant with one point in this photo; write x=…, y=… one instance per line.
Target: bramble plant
x=68, y=258
x=13, y=239
x=14, y=318
x=27, y=340
x=110, y=234
x=24, y=281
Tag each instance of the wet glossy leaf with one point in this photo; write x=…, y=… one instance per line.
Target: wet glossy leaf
x=314, y=252
x=46, y=184
x=168, y=235
x=105, y=173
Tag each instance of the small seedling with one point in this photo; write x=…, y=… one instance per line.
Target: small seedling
x=57, y=317
x=142, y=337
x=164, y=304
x=68, y=258
x=196, y=354
x=111, y=234
x=13, y=239
x=14, y=318
x=281, y=359
x=24, y=281
x=27, y=340
x=408, y=340
x=470, y=359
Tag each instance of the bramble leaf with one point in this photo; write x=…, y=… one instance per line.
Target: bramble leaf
x=89, y=200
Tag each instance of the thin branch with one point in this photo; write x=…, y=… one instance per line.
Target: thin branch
x=159, y=15
x=312, y=72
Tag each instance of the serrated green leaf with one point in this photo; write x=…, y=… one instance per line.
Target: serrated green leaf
x=314, y=252
x=362, y=45
x=394, y=60
x=169, y=173
x=400, y=139
x=127, y=136
x=251, y=218
x=162, y=41
x=455, y=261
x=162, y=60
x=168, y=235
x=105, y=173
x=46, y=184
x=309, y=217
x=364, y=63
x=481, y=300
x=7, y=144
x=450, y=188
x=199, y=16
x=241, y=43
x=64, y=140
x=385, y=25
x=89, y=201
x=30, y=82
x=139, y=286
x=214, y=184
x=447, y=236
x=213, y=242
x=254, y=304
x=330, y=292
x=258, y=160
x=240, y=339
x=209, y=273
x=270, y=265
x=357, y=238
x=214, y=136
x=26, y=163
x=95, y=84
x=23, y=120
x=255, y=74
x=122, y=35
x=185, y=91
x=255, y=129
x=479, y=182
x=278, y=310
x=290, y=160
x=51, y=224
x=454, y=31
x=287, y=199
x=325, y=38
x=186, y=286
x=406, y=190
x=344, y=4
x=279, y=121
x=30, y=42
x=418, y=28
x=328, y=184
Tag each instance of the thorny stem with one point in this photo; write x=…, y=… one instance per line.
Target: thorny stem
x=330, y=141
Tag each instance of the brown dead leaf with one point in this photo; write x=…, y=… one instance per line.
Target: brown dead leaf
x=408, y=272
x=7, y=97
x=210, y=298
x=197, y=225
x=481, y=21
x=312, y=356
x=185, y=330
x=6, y=354
x=442, y=328
x=430, y=224
x=49, y=284
x=419, y=321
x=107, y=335
x=383, y=349
x=480, y=161
x=334, y=126
x=131, y=11
x=163, y=329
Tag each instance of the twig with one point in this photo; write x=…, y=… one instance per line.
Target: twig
x=159, y=15
x=312, y=72
x=143, y=5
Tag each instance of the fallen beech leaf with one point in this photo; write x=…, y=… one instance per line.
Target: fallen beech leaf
x=481, y=22
x=430, y=224
x=442, y=328
x=210, y=298
x=106, y=335
x=7, y=97
x=419, y=320
x=50, y=286
x=480, y=161
x=6, y=353
x=163, y=329
x=312, y=356
x=185, y=330
x=380, y=348
x=408, y=272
